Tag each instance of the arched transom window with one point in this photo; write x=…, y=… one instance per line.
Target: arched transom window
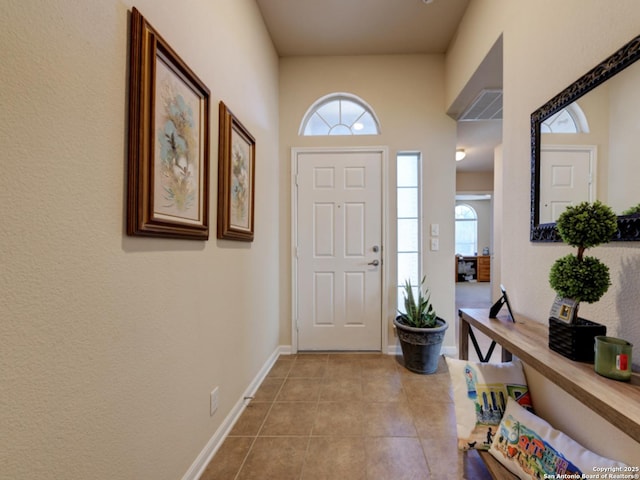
x=568, y=120
x=340, y=114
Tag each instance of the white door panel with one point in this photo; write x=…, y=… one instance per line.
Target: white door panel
x=339, y=233
x=566, y=178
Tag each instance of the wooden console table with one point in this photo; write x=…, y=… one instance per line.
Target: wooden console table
x=617, y=402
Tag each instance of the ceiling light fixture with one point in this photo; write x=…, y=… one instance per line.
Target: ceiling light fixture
x=460, y=154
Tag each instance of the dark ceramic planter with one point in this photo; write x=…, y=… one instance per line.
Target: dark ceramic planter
x=421, y=346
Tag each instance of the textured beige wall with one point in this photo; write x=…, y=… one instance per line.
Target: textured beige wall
x=110, y=345
x=548, y=45
x=406, y=93
x=474, y=182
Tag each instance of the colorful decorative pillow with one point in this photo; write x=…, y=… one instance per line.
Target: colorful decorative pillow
x=480, y=393
x=531, y=448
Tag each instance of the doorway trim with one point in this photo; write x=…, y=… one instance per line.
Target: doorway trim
x=385, y=318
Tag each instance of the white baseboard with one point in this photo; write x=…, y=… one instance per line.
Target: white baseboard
x=450, y=352
x=201, y=462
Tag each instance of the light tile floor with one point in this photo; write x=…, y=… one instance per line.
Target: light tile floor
x=346, y=416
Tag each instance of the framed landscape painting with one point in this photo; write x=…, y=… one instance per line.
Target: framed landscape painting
x=168, y=171
x=236, y=178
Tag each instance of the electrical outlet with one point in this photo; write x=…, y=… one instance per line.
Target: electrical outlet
x=214, y=400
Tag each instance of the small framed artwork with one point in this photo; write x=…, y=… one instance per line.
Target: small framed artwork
x=236, y=178
x=503, y=300
x=168, y=171
x=563, y=309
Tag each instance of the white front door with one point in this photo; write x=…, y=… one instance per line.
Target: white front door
x=338, y=226
x=566, y=178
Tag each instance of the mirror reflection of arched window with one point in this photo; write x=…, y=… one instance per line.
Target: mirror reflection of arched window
x=568, y=120
x=466, y=230
x=340, y=114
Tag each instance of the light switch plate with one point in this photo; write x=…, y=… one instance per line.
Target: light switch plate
x=435, y=229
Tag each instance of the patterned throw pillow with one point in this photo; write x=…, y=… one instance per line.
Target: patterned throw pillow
x=531, y=448
x=480, y=393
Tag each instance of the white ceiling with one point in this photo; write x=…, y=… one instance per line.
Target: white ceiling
x=361, y=27
x=377, y=27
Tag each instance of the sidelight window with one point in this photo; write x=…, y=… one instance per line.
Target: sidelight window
x=408, y=221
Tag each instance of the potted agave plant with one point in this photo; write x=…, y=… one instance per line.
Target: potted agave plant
x=420, y=330
x=579, y=278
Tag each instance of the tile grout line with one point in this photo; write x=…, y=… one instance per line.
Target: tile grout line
x=408, y=389
x=317, y=406
x=255, y=437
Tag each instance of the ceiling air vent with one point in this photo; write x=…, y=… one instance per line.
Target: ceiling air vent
x=486, y=106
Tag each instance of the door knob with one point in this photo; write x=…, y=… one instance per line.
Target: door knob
x=375, y=263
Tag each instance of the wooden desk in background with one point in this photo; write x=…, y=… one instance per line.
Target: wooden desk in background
x=482, y=266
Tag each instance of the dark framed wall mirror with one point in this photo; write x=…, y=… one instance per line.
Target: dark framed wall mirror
x=585, y=145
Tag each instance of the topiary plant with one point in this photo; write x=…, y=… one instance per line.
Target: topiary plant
x=632, y=211
x=580, y=277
